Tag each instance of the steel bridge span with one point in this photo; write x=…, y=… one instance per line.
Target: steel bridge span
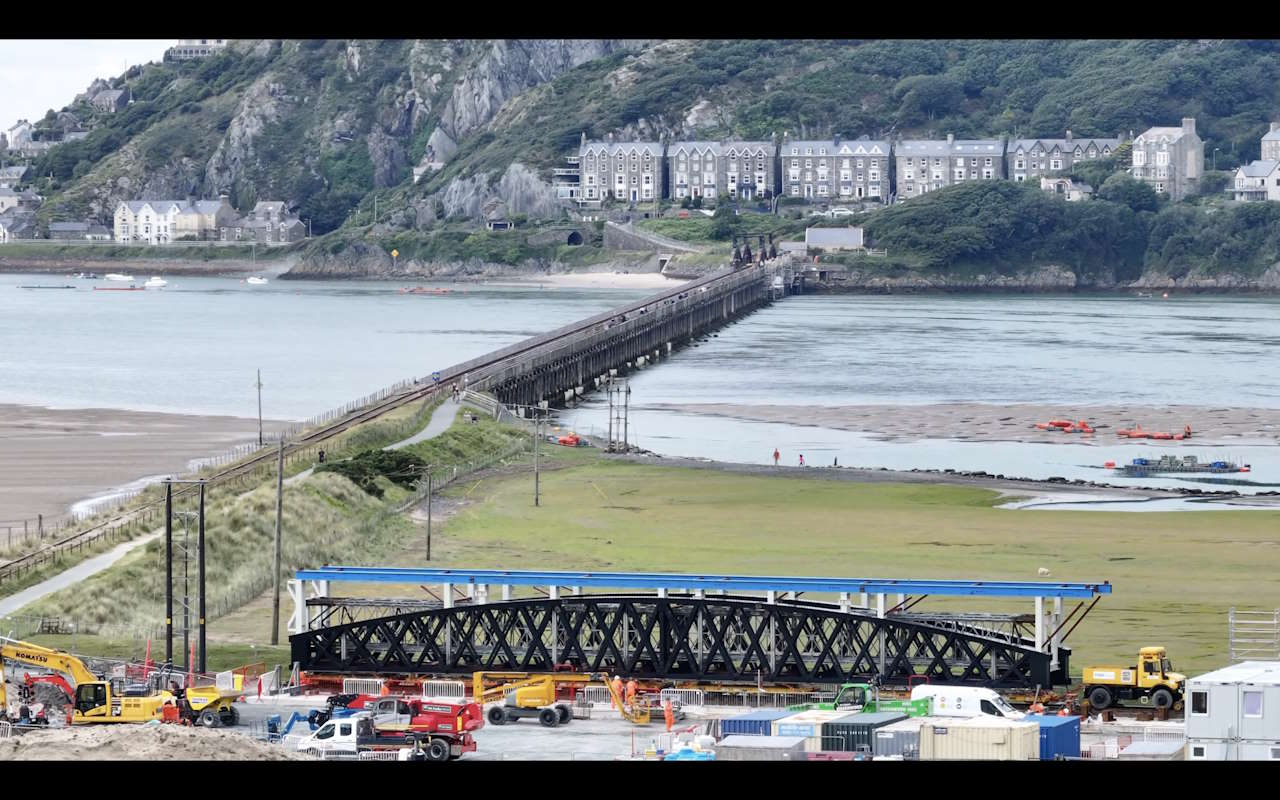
x=677, y=633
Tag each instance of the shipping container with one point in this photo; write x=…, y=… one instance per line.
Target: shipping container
x=856, y=732
x=981, y=738
x=760, y=748
x=1059, y=736
x=1239, y=702
x=902, y=738
x=753, y=723
x=807, y=724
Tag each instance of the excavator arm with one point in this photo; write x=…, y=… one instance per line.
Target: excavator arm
x=57, y=660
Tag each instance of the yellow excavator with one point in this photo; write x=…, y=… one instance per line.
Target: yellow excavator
x=534, y=695
x=97, y=701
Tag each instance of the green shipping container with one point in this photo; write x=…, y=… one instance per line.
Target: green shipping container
x=856, y=732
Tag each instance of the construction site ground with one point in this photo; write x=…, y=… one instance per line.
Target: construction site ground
x=604, y=737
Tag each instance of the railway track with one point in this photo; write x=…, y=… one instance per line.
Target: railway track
x=473, y=374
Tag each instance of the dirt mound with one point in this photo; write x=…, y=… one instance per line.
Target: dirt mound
x=127, y=742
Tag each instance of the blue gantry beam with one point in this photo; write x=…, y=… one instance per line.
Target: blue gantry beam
x=728, y=583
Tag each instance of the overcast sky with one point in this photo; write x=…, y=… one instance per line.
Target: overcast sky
x=39, y=74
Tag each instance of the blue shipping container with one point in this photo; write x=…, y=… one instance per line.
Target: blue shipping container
x=1059, y=736
x=754, y=723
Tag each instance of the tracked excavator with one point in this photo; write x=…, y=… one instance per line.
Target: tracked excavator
x=97, y=701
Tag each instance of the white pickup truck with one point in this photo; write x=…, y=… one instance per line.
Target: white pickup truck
x=355, y=735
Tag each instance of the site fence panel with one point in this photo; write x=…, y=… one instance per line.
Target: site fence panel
x=596, y=695
x=361, y=685
x=380, y=755
x=6, y=730
x=685, y=697
x=1151, y=735
x=443, y=689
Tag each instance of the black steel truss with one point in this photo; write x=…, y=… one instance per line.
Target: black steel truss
x=712, y=639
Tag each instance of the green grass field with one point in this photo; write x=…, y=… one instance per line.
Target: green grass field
x=1174, y=574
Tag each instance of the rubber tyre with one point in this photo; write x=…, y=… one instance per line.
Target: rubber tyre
x=438, y=750
x=209, y=718
x=1162, y=698
x=497, y=716
x=1100, y=698
x=564, y=714
x=548, y=717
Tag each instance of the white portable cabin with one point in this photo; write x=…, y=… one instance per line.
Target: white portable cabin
x=965, y=701
x=1233, y=713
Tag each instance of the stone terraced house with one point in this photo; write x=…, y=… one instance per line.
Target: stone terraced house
x=694, y=170
x=928, y=165
x=748, y=170
x=626, y=171
x=1170, y=159
x=1035, y=158
x=836, y=170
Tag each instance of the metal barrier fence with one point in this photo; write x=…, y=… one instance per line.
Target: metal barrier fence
x=443, y=689
x=596, y=695
x=765, y=699
x=380, y=755
x=361, y=685
x=685, y=697
x=6, y=730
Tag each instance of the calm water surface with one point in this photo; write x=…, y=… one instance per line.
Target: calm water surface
x=194, y=346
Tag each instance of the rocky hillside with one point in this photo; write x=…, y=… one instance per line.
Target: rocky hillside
x=330, y=125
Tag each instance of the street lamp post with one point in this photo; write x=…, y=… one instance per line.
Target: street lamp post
x=1215, y=158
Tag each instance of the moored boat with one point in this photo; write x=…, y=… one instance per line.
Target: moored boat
x=156, y=282
x=116, y=276
x=254, y=280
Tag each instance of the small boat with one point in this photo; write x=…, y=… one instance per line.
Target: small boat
x=88, y=276
x=255, y=281
x=116, y=276
x=156, y=283
x=1066, y=426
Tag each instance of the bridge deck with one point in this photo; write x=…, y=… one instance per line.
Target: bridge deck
x=676, y=581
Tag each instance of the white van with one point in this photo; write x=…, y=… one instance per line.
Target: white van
x=965, y=701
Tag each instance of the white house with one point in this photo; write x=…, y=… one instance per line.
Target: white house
x=1257, y=180
x=163, y=221
x=1067, y=188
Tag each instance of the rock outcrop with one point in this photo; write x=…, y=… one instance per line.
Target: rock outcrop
x=261, y=104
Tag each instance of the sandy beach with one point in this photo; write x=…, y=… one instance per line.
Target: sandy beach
x=52, y=458
x=981, y=422
x=594, y=280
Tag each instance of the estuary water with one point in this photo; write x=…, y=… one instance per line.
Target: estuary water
x=194, y=346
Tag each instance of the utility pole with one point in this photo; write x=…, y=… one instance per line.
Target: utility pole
x=275, y=606
x=200, y=546
x=428, y=512
x=259, y=408
x=375, y=209
x=168, y=572
x=537, y=435
x=626, y=418
x=609, y=393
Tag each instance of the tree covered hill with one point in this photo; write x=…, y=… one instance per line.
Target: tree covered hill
x=326, y=125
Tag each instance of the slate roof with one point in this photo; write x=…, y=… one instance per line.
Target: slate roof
x=1260, y=169
x=613, y=148
x=833, y=237
x=184, y=207
x=269, y=207
x=1168, y=134
x=13, y=173
x=70, y=227
x=1271, y=136
x=1063, y=144
x=751, y=147
x=674, y=148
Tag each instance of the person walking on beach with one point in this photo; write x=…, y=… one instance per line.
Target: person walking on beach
x=776, y=456
x=802, y=459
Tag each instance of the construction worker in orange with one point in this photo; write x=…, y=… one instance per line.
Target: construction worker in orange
x=1062, y=712
x=617, y=691
x=776, y=456
x=632, y=688
x=384, y=691
x=668, y=714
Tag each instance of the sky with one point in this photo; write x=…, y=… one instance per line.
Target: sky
x=39, y=74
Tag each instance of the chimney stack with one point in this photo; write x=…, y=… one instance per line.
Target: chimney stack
x=1068, y=136
x=1188, y=124
x=951, y=138
x=1275, y=126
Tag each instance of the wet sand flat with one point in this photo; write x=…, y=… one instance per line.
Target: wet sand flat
x=981, y=422
x=51, y=458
